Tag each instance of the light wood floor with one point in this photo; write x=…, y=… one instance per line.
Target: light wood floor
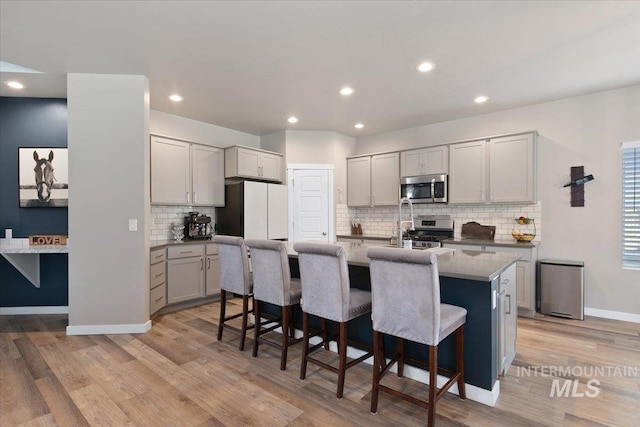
x=177, y=374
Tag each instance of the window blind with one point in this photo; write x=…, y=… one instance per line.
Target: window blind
x=631, y=205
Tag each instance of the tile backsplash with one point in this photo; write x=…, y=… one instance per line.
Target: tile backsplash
x=381, y=221
x=164, y=217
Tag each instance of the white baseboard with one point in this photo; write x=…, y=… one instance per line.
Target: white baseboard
x=615, y=315
x=475, y=393
x=63, y=309
x=134, y=328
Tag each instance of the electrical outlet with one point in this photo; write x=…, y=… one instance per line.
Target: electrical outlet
x=133, y=225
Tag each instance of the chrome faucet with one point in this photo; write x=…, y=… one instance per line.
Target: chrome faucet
x=400, y=222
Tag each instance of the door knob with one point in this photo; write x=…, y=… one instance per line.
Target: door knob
x=324, y=234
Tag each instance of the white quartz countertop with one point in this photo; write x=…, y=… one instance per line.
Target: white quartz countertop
x=21, y=246
x=460, y=264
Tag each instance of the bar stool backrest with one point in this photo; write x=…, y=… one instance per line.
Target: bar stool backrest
x=234, y=264
x=405, y=293
x=271, y=275
x=324, y=278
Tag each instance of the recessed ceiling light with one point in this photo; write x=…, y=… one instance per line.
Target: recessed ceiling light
x=176, y=98
x=15, y=85
x=358, y=126
x=292, y=119
x=481, y=99
x=425, y=67
x=346, y=91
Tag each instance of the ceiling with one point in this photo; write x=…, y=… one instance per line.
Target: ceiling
x=250, y=65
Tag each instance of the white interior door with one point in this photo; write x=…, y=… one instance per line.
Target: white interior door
x=311, y=205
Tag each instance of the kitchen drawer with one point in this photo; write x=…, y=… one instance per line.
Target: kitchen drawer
x=158, y=255
x=157, y=275
x=157, y=298
x=185, y=251
x=212, y=249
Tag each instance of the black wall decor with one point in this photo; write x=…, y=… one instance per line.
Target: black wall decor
x=578, y=179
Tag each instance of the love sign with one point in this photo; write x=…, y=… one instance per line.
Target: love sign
x=40, y=240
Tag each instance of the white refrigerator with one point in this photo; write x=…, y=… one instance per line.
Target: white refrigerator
x=254, y=210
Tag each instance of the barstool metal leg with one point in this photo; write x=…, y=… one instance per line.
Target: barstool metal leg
x=223, y=307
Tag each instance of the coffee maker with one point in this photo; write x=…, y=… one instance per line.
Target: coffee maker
x=197, y=226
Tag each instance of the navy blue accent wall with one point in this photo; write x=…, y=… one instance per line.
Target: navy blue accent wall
x=31, y=122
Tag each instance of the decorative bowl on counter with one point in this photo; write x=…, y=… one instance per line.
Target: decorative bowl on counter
x=525, y=229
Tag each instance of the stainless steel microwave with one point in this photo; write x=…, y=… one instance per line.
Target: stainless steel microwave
x=425, y=188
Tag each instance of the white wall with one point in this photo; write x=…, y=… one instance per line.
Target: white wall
x=108, y=140
x=323, y=148
x=166, y=124
x=580, y=131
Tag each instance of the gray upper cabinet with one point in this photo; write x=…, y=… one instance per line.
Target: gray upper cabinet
x=373, y=180
x=496, y=170
x=244, y=162
x=183, y=173
x=424, y=161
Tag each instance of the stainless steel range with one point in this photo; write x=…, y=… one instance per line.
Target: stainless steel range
x=430, y=230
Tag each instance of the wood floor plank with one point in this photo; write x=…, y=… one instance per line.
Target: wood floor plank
x=115, y=351
x=8, y=349
x=63, y=363
x=20, y=399
x=157, y=363
x=98, y=408
x=37, y=365
x=63, y=408
x=43, y=421
x=163, y=407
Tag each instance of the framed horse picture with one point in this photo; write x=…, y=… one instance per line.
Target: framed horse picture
x=43, y=177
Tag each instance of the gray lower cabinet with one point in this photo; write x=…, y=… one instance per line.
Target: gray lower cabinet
x=507, y=318
x=185, y=273
x=157, y=280
x=212, y=270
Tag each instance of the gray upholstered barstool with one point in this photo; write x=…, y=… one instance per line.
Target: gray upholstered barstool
x=405, y=288
x=326, y=293
x=236, y=278
x=272, y=283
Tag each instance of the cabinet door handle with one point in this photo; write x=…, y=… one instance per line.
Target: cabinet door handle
x=185, y=252
x=159, y=299
x=195, y=197
x=506, y=281
x=159, y=274
x=509, y=304
x=159, y=256
x=201, y=264
x=188, y=197
x=208, y=263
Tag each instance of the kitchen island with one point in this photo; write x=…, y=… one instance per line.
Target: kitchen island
x=468, y=279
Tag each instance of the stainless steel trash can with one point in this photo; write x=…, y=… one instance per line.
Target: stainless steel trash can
x=561, y=288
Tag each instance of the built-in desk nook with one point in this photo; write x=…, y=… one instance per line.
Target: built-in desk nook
x=25, y=258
